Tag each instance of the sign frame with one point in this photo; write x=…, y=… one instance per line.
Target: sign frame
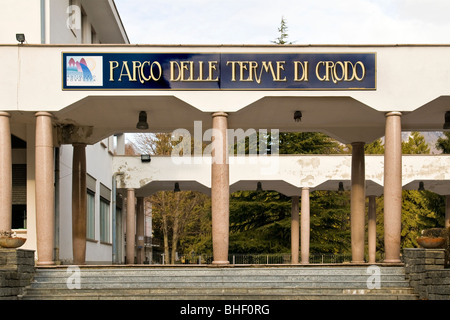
x=285, y=71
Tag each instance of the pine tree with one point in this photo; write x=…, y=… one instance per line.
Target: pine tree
x=443, y=143
x=375, y=147
x=416, y=144
x=307, y=143
x=282, y=39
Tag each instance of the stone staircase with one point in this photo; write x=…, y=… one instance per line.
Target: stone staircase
x=218, y=283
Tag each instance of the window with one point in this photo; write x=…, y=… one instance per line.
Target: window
x=90, y=232
x=105, y=216
x=105, y=223
x=91, y=185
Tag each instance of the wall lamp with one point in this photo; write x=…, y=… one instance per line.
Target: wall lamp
x=20, y=37
x=447, y=120
x=298, y=116
x=421, y=186
x=145, y=158
x=259, y=187
x=177, y=187
x=142, y=124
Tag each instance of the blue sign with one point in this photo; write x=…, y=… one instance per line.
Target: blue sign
x=219, y=71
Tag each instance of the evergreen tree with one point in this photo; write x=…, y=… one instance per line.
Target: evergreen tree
x=416, y=144
x=307, y=143
x=259, y=222
x=443, y=143
x=330, y=222
x=375, y=147
x=282, y=39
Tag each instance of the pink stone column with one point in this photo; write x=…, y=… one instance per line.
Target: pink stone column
x=45, y=197
x=295, y=230
x=79, y=204
x=220, y=189
x=392, y=187
x=358, y=202
x=447, y=211
x=140, y=230
x=305, y=226
x=372, y=229
x=131, y=226
x=5, y=173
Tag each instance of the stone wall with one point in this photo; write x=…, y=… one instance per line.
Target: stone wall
x=16, y=272
x=426, y=273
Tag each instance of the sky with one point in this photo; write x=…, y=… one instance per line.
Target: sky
x=308, y=21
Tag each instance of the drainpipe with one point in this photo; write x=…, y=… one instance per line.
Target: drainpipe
x=57, y=205
x=42, y=21
x=114, y=218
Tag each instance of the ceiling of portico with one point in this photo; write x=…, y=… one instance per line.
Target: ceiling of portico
x=441, y=187
x=117, y=114
x=156, y=186
x=342, y=118
x=429, y=117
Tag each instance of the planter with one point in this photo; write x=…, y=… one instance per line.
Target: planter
x=431, y=242
x=6, y=242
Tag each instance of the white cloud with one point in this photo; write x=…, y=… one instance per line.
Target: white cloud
x=309, y=21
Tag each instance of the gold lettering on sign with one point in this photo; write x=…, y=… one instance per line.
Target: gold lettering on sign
x=112, y=65
x=340, y=71
x=127, y=70
x=137, y=72
x=193, y=71
x=250, y=71
x=303, y=66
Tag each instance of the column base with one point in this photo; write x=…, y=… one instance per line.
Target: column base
x=45, y=263
x=392, y=261
x=221, y=262
x=358, y=262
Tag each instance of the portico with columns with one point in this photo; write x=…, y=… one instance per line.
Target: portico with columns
x=81, y=118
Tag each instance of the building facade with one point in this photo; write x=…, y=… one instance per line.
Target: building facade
x=75, y=85
x=63, y=22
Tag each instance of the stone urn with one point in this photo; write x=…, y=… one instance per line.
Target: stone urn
x=9, y=240
x=432, y=238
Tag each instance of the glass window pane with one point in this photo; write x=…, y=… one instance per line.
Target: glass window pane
x=90, y=223
x=105, y=223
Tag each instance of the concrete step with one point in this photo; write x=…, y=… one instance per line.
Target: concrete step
x=289, y=283
x=223, y=294
x=218, y=284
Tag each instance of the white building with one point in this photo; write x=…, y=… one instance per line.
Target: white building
x=64, y=22
x=74, y=85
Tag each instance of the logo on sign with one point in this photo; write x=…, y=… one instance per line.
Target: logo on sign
x=84, y=71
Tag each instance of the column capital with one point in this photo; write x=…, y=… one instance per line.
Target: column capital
x=79, y=144
x=5, y=114
x=393, y=113
x=220, y=114
x=358, y=143
x=43, y=114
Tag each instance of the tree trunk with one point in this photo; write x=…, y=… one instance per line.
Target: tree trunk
x=165, y=230
x=175, y=227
